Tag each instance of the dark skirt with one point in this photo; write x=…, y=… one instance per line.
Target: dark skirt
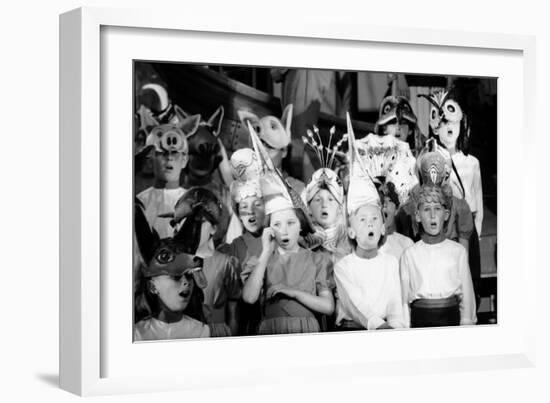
x=285, y=315
x=249, y=318
x=434, y=313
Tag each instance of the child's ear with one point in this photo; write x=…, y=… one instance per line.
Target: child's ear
x=447, y=215
x=351, y=233
x=213, y=229
x=417, y=216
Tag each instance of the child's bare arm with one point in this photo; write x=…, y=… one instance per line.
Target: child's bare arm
x=253, y=284
x=322, y=303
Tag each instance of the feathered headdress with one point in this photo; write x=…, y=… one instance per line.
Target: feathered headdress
x=277, y=193
x=361, y=188
x=325, y=177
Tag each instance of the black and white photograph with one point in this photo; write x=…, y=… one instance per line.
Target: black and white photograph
x=275, y=200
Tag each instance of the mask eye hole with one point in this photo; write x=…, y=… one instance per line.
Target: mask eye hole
x=386, y=109
x=451, y=108
x=165, y=256
x=433, y=114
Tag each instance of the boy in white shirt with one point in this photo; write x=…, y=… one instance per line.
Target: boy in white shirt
x=367, y=281
x=170, y=155
x=435, y=276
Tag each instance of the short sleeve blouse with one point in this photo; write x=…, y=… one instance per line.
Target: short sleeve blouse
x=303, y=270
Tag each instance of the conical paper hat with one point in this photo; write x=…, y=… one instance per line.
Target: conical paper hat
x=361, y=188
x=277, y=193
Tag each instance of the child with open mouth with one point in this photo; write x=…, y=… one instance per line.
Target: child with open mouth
x=367, y=281
x=168, y=146
x=435, y=276
x=168, y=293
x=324, y=196
x=293, y=279
x=449, y=125
x=248, y=206
x=170, y=296
x=222, y=271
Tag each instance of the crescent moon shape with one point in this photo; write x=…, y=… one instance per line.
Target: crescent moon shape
x=161, y=92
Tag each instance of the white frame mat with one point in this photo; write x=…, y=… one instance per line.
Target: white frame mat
x=97, y=47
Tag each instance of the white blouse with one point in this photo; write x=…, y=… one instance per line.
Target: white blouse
x=154, y=329
x=438, y=270
x=470, y=175
x=369, y=291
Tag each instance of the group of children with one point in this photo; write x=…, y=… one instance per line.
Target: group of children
x=380, y=237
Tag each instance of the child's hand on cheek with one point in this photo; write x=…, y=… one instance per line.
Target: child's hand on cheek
x=268, y=241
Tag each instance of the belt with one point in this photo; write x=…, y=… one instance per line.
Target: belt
x=435, y=302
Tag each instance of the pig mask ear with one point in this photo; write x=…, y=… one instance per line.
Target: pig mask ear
x=190, y=124
x=215, y=121
x=286, y=119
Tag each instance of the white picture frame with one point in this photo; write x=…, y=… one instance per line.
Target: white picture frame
x=97, y=357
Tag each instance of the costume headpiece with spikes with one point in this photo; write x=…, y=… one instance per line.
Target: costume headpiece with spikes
x=277, y=193
x=325, y=177
x=361, y=188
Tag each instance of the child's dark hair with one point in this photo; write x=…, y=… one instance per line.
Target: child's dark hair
x=301, y=218
x=388, y=189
